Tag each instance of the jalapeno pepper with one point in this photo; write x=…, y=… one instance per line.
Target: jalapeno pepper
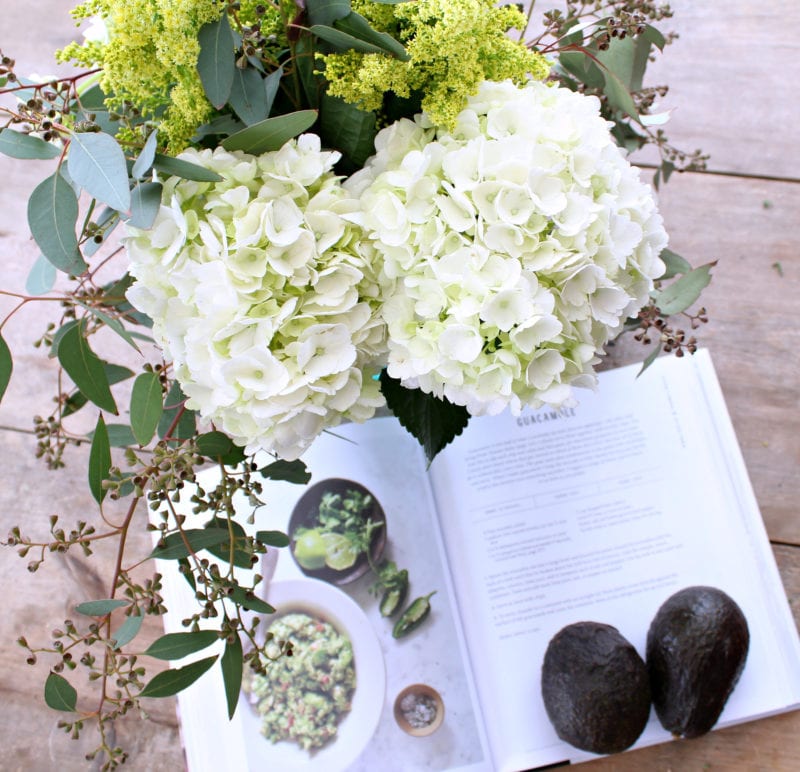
x=395, y=594
x=413, y=616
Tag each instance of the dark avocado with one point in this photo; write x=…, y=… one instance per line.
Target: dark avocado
x=696, y=649
x=595, y=688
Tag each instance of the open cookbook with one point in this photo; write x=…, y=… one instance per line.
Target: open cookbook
x=523, y=525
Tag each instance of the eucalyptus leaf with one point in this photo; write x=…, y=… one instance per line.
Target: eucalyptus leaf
x=106, y=222
x=273, y=538
x=99, y=460
x=221, y=125
x=650, y=33
x=679, y=295
x=357, y=26
x=220, y=447
x=145, y=203
x=41, y=278
x=173, y=406
x=59, y=334
x=145, y=160
x=174, y=546
x=52, y=217
x=326, y=11
x=246, y=599
x=271, y=85
x=112, y=323
x=272, y=133
x=651, y=357
x=583, y=67
x=619, y=97
x=100, y=608
x=249, y=96
x=146, y=407
x=59, y=694
x=175, y=680
x=232, y=663
x=18, y=145
x=216, y=64
x=627, y=58
x=6, y=366
x=674, y=263
x=342, y=41
x=96, y=162
x=76, y=400
x=433, y=422
x=291, y=471
x=85, y=369
x=175, y=167
x=120, y=436
x=241, y=559
x=128, y=630
x=178, y=645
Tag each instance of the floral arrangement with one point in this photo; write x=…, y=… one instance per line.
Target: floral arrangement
x=324, y=208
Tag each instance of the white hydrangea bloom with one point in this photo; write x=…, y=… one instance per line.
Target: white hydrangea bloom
x=260, y=297
x=512, y=248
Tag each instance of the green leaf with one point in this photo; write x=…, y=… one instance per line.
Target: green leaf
x=651, y=357
x=41, y=277
x=59, y=335
x=347, y=129
x=96, y=163
x=272, y=133
x=128, y=630
x=675, y=264
x=18, y=145
x=146, y=407
x=216, y=63
x=219, y=446
x=178, y=645
x=173, y=546
x=273, y=538
x=175, y=680
x=232, y=663
x=145, y=203
x=59, y=694
x=185, y=428
x=120, y=436
x=271, y=85
x=145, y=160
x=76, y=400
x=619, y=97
x=327, y=11
x=186, y=573
x=341, y=41
x=111, y=322
x=246, y=599
x=650, y=34
x=310, y=79
x=85, y=369
x=6, y=366
x=175, y=167
x=433, y=422
x=52, y=216
x=355, y=25
x=679, y=295
x=291, y=471
x=107, y=221
x=249, y=96
x=582, y=67
x=99, y=460
x=241, y=559
x=221, y=125
x=100, y=608
x=627, y=58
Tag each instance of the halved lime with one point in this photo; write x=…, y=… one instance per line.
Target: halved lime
x=339, y=552
x=310, y=549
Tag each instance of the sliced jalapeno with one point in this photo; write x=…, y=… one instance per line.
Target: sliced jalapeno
x=395, y=594
x=413, y=616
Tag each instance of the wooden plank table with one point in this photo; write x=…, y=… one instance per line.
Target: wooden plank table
x=730, y=76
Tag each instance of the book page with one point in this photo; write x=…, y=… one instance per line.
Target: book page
x=385, y=460
x=601, y=512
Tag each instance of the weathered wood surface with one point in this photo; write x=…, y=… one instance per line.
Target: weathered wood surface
x=731, y=76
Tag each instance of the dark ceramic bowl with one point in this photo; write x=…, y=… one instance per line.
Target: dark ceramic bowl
x=304, y=515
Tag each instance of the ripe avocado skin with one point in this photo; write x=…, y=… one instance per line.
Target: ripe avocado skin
x=595, y=688
x=696, y=649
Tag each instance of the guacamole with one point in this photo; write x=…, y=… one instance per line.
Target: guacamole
x=303, y=697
